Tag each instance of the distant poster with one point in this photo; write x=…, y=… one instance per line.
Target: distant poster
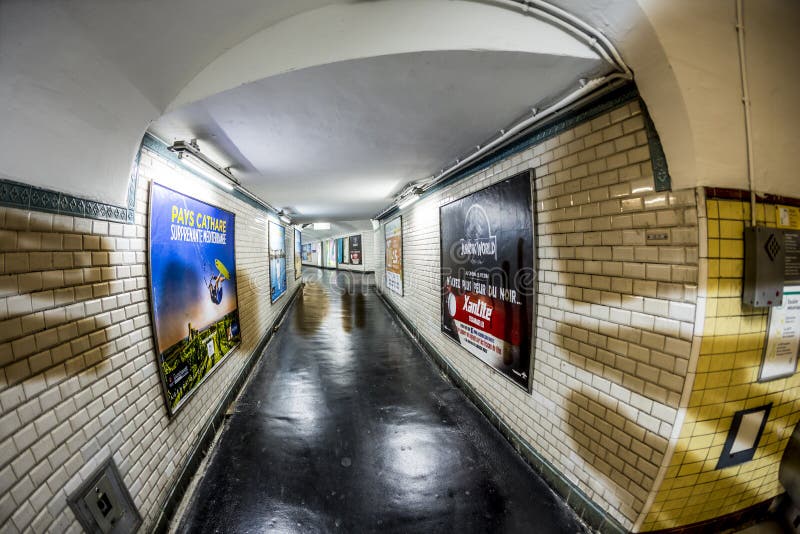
x=355, y=249
x=195, y=309
x=307, y=252
x=329, y=248
x=345, y=250
x=277, y=260
x=393, y=235
x=487, y=275
x=339, y=251
x=298, y=253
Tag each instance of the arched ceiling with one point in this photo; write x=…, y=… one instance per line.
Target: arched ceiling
x=81, y=81
x=338, y=140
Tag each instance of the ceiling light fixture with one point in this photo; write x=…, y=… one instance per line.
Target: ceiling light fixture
x=189, y=153
x=322, y=226
x=410, y=198
x=283, y=217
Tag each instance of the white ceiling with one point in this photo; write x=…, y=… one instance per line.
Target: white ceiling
x=81, y=81
x=338, y=228
x=337, y=141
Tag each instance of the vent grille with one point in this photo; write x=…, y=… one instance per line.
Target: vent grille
x=772, y=247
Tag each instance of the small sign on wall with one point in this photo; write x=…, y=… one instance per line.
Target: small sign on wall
x=787, y=217
x=783, y=338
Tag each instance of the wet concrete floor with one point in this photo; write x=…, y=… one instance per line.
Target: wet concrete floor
x=347, y=427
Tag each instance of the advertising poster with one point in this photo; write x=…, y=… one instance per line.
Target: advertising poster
x=298, y=253
x=329, y=250
x=355, y=249
x=393, y=235
x=195, y=310
x=783, y=338
x=345, y=250
x=488, y=276
x=308, y=252
x=277, y=260
x=339, y=251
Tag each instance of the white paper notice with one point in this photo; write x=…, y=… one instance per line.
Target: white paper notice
x=783, y=337
x=748, y=432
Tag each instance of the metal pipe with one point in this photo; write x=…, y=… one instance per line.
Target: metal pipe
x=513, y=131
x=557, y=16
x=748, y=134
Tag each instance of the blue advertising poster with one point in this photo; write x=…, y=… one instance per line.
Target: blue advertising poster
x=298, y=251
x=340, y=250
x=277, y=260
x=193, y=287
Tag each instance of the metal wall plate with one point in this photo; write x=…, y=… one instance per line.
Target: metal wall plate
x=764, y=253
x=103, y=504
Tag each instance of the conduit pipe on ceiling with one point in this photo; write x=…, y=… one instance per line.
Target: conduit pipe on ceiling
x=557, y=16
x=569, y=22
x=506, y=135
x=194, y=150
x=748, y=134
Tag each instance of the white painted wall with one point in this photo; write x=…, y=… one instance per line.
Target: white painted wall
x=685, y=59
x=71, y=120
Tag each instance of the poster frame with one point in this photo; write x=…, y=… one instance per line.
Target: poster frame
x=172, y=411
x=535, y=243
x=360, y=249
x=298, y=254
x=402, y=256
x=269, y=263
x=788, y=290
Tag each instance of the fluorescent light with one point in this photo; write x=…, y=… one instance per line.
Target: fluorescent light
x=190, y=154
x=375, y=223
x=408, y=199
x=322, y=226
x=198, y=167
x=285, y=218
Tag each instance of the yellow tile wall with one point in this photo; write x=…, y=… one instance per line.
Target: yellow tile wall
x=726, y=382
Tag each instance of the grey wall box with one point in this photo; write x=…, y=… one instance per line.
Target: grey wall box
x=103, y=504
x=764, y=253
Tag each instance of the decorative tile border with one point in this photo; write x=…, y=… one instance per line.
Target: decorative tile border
x=27, y=197
x=657, y=158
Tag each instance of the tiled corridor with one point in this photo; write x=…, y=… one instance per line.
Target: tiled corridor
x=347, y=427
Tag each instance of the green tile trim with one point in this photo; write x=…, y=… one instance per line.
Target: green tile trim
x=658, y=160
x=594, y=516
x=27, y=197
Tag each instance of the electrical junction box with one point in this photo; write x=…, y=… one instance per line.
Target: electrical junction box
x=764, y=257
x=102, y=503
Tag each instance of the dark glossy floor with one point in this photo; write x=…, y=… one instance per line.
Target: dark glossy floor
x=347, y=427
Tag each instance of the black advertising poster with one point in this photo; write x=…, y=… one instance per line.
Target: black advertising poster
x=355, y=249
x=488, y=275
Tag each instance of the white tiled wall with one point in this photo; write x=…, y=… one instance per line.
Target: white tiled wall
x=78, y=375
x=615, y=312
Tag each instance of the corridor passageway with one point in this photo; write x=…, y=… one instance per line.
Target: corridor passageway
x=345, y=426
